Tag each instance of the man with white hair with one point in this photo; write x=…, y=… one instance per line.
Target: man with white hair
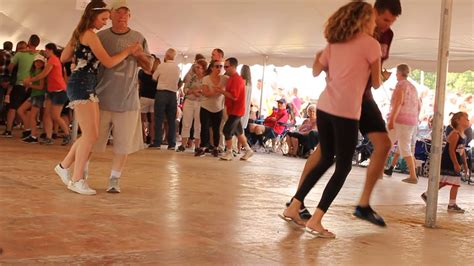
x=117, y=89
x=166, y=102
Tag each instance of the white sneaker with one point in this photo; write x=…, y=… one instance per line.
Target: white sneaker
x=64, y=174
x=228, y=156
x=248, y=153
x=114, y=186
x=81, y=187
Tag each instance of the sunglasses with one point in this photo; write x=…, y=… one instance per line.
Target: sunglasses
x=218, y=66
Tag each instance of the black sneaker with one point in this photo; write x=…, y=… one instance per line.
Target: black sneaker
x=25, y=134
x=366, y=213
x=181, y=148
x=66, y=140
x=54, y=136
x=304, y=213
x=7, y=134
x=215, y=152
x=46, y=141
x=424, y=198
x=155, y=146
x=199, y=152
x=30, y=140
x=388, y=171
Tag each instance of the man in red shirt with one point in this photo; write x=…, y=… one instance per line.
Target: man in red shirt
x=235, y=105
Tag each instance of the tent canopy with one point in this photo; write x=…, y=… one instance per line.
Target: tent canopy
x=289, y=32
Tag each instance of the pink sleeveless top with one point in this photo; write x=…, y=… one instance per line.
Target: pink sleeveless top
x=410, y=108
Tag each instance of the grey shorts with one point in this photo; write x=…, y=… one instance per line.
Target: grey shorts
x=37, y=101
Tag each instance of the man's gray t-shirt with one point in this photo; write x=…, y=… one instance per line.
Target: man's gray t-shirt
x=117, y=87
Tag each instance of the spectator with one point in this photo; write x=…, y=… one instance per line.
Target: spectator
x=166, y=102
x=273, y=125
x=302, y=137
x=147, y=91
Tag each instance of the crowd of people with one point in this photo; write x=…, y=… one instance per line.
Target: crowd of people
x=211, y=109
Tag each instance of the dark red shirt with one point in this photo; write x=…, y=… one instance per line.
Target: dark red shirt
x=236, y=87
x=278, y=124
x=385, y=40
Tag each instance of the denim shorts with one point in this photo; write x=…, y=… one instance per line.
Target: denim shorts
x=81, y=87
x=57, y=97
x=37, y=101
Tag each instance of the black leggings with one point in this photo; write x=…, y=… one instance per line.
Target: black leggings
x=337, y=137
x=209, y=119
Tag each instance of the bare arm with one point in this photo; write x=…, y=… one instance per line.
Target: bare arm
x=91, y=39
x=39, y=86
x=464, y=159
x=144, y=61
x=67, y=53
x=11, y=66
x=206, y=91
x=375, y=69
x=317, y=66
x=47, y=69
x=397, y=100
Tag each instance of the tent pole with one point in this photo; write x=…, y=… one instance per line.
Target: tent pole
x=437, y=133
x=265, y=59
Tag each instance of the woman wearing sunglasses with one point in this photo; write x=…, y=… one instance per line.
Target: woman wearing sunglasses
x=212, y=107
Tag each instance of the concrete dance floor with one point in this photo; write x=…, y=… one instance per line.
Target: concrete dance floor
x=176, y=209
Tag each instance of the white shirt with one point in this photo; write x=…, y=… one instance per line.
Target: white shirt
x=214, y=104
x=167, y=75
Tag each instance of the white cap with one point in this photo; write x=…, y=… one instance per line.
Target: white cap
x=40, y=58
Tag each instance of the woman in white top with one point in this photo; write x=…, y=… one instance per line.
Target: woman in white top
x=212, y=107
x=192, y=105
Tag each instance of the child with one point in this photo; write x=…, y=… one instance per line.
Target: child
x=453, y=155
x=35, y=102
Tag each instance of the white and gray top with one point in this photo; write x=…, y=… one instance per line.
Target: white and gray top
x=216, y=103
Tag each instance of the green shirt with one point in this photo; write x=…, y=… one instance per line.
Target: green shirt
x=35, y=92
x=24, y=61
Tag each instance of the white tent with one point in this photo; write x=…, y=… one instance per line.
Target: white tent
x=288, y=31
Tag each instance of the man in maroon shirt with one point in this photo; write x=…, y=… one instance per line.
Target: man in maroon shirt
x=371, y=122
x=235, y=105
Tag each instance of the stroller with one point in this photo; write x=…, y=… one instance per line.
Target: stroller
x=363, y=151
x=422, y=153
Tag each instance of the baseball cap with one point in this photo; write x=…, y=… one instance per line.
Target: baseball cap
x=117, y=4
x=282, y=100
x=40, y=58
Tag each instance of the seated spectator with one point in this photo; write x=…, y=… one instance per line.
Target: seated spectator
x=302, y=136
x=273, y=125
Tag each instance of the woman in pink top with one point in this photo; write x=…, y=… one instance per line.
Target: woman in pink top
x=403, y=119
x=351, y=56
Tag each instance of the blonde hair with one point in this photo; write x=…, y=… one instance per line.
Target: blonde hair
x=348, y=21
x=403, y=69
